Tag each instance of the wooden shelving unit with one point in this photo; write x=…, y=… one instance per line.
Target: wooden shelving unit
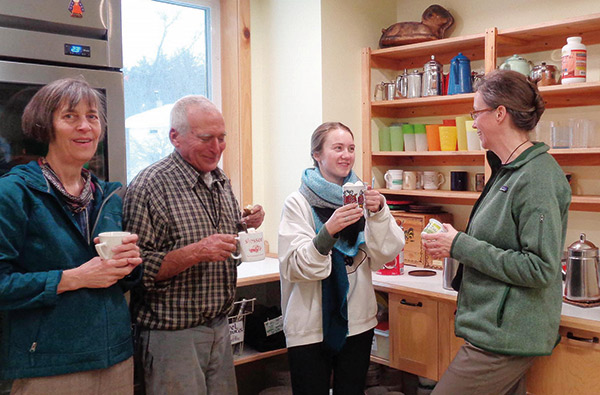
x=250, y=355
x=488, y=47
x=254, y=273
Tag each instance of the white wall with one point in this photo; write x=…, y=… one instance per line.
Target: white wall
x=306, y=69
x=286, y=99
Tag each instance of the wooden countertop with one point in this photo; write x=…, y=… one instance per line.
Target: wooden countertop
x=585, y=318
x=267, y=270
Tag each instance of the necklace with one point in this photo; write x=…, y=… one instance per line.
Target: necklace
x=515, y=150
x=216, y=210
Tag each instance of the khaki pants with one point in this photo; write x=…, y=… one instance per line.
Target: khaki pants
x=115, y=380
x=194, y=361
x=475, y=372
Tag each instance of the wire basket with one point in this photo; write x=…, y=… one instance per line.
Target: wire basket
x=237, y=322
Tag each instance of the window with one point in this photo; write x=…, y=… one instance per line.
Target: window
x=170, y=50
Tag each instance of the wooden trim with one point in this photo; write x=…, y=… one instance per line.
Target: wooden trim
x=237, y=95
x=366, y=113
x=491, y=36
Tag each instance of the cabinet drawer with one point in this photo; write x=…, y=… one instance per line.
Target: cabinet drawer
x=414, y=334
x=571, y=369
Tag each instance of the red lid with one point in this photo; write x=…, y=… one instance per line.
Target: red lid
x=383, y=326
x=449, y=122
x=399, y=202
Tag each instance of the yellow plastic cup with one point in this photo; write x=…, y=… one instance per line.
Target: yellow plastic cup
x=448, y=138
x=461, y=132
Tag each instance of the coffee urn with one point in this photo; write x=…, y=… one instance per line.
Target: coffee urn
x=582, y=282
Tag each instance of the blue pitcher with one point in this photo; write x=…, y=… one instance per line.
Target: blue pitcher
x=459, y=80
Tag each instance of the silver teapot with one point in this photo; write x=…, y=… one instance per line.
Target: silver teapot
x=582, y=281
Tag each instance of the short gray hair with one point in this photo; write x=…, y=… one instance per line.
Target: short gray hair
x=37, y=119
x=179, y=120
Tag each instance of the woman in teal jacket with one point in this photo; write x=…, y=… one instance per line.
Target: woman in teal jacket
x=66, y=326
x=510, y=284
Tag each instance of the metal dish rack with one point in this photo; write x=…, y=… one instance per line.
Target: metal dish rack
x=237, y=323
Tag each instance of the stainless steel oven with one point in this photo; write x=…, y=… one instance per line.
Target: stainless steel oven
x=44, y=40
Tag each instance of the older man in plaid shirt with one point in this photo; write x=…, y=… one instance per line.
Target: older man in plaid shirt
x=185, y=213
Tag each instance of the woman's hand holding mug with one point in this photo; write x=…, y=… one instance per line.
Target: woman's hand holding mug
x=373, y=200
x=343, y=217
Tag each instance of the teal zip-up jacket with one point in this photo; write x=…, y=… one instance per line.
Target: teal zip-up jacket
x=510, y=297
x=45, y=334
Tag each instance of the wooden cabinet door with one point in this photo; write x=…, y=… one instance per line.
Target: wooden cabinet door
x=449, y=343
x=571, y=369
x=414, y=334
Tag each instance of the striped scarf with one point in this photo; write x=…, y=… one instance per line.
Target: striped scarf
x=75, y=203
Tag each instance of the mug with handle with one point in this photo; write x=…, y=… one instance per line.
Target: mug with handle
x=108, y=240
x=433, y=180
x=251, y=246
x=393, y=179
x=410, y=180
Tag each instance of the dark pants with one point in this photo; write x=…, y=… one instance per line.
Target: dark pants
x=311, y=367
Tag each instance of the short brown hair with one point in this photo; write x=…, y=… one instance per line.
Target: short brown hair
x=517, y=93
x=318, y=137
x=37, y=116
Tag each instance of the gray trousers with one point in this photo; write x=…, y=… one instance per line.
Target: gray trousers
x=475, y=372
x=189, y=361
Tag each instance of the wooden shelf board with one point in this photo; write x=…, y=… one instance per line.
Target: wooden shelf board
x=462, y=154
x=416, y=55
x=577, y=156
x=424, y=106
x=548, y=35
x=571, y=95
x=379, y=360
x=250, y=355
x=585, y=203
x=436, y=196
x=428, y=158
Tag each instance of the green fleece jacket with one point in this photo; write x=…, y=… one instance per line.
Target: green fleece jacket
x=510, y=297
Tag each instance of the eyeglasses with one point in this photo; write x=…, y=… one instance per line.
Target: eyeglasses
x=475, y=113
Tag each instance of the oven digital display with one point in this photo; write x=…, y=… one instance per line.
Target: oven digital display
x=77, y=50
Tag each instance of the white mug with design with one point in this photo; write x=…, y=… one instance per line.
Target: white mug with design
x=108, y=240
x=393, y=179
x=433, y=179
x=251, y=246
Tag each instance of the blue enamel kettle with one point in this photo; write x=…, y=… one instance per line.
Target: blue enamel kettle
x=459, y=80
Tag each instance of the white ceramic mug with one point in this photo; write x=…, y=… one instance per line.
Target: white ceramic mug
x=433, y=179
x=393, y=179
x=251, y=246
x=354, y=193
x=108, y=240
x=410, y=180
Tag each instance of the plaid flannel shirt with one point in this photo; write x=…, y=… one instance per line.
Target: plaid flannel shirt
x=163, y=205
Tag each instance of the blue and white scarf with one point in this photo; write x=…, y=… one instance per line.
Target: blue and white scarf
x=325, y=197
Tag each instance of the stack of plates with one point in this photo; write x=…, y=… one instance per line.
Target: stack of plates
x=424, y=209
x=399, y=204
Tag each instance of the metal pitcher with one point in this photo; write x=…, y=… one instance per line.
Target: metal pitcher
x=450, y=267
x=402, y=84
x=388, y=91
x=413, y=88
x=582, y=282
x=432, y=78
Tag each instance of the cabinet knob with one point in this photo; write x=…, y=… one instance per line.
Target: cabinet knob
x=418, y=304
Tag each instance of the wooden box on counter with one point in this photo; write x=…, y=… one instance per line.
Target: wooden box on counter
x=413, y=225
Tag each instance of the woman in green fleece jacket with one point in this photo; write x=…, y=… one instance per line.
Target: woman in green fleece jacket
x=509, y=281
